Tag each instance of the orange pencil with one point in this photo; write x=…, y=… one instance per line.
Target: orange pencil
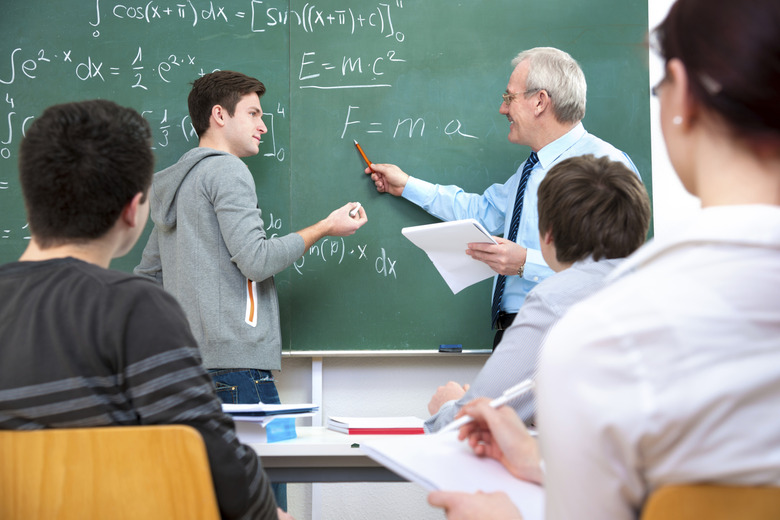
x=362, y=153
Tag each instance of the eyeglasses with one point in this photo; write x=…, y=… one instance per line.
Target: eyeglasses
x=509, y=97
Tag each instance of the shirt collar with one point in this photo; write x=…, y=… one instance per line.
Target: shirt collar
x=552, y=151
x=754, y=225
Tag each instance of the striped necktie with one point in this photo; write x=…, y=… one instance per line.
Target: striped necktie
x=513, y=227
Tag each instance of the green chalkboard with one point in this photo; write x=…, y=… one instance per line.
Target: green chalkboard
x=416, y=83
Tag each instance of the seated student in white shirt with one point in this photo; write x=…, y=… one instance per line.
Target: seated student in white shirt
x=592, y=214
x=671, y=374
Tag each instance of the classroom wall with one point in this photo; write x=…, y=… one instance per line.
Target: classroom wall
x=403, y=386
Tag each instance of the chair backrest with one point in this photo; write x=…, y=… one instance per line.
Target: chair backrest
x=713, y=502
x=120, y=472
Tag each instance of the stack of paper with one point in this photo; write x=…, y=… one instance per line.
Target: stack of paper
x=264, y=410
x=440, y=461
x=377, y=425
x=445, y=243
x=267, y=422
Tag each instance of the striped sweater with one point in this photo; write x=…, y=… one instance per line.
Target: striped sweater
x=82, y=346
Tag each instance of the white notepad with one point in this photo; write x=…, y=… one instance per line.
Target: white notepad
x=445, y=243
x=442, y=462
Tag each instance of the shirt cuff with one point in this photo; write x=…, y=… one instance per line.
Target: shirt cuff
x=418, y=191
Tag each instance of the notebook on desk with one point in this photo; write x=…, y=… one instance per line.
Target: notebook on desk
x=377, y=425
x=442, y=462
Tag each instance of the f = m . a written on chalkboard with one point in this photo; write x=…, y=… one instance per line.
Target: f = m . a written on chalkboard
x=416, y=83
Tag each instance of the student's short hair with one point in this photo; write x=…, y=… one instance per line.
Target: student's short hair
x=560, y=75
x=80, y=164
x=593, y=207
x=224, y=88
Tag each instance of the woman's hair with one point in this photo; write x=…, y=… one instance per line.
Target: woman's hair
x=731, y=52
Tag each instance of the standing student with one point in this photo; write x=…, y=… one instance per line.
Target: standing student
x=544, y=103
x=671, y=374
x=592, y=214
x=209, y=246
x=84, y=346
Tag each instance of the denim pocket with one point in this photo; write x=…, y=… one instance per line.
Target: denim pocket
x=226, y=393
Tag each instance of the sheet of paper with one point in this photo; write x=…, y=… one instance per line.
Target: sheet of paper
x=268, y=409
x=443, y=462
x=445, y=243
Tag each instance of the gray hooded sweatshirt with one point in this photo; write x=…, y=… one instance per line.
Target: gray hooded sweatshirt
x=210, y=250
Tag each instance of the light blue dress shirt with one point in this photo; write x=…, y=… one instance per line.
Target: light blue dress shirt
x=494, y=207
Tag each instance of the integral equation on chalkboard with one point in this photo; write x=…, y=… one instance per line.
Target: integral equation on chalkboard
x=145, y=54
x=104, y=58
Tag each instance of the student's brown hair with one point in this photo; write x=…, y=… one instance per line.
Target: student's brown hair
x=80, y=164
x=593, y=207
x=224, y=88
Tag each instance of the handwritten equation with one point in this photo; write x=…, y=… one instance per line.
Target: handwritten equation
x=336, y=250
x=259, y=16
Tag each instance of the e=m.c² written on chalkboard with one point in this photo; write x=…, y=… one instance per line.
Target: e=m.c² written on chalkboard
x=416, y=83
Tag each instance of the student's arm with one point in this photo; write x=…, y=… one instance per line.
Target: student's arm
x=231, y=191
x=150, y=266
x=337, y=224
x=513, y=361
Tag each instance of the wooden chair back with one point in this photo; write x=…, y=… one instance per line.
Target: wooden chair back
x=713, y=502
x=118, y=473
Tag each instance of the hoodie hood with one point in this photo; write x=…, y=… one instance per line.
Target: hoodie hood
x=166, y=184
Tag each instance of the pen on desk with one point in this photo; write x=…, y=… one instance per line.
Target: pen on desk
x=354, y=210
x=362, y=153
x=509, y=394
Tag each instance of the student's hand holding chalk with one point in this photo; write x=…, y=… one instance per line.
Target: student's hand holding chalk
x=388, y=178
x=505, y=258
x=344, y=221
x=499, y=433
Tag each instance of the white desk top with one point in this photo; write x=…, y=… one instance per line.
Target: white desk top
x=322, y=455
x=315, y=441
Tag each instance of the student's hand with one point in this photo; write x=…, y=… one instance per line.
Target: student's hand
x=283, y=515
x=340, y=224
x=505, y=258
x=452, y=391
x=501, y=435
x=388, y=178
x=475, y=506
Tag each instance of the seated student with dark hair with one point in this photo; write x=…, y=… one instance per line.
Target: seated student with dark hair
x=85, y=346
x=592, y=214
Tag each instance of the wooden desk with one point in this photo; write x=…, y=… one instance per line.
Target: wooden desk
x=321, y=455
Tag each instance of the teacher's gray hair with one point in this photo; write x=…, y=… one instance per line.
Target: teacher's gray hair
x=560, y=75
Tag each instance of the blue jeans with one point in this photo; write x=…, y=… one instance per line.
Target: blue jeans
x=249, y=386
